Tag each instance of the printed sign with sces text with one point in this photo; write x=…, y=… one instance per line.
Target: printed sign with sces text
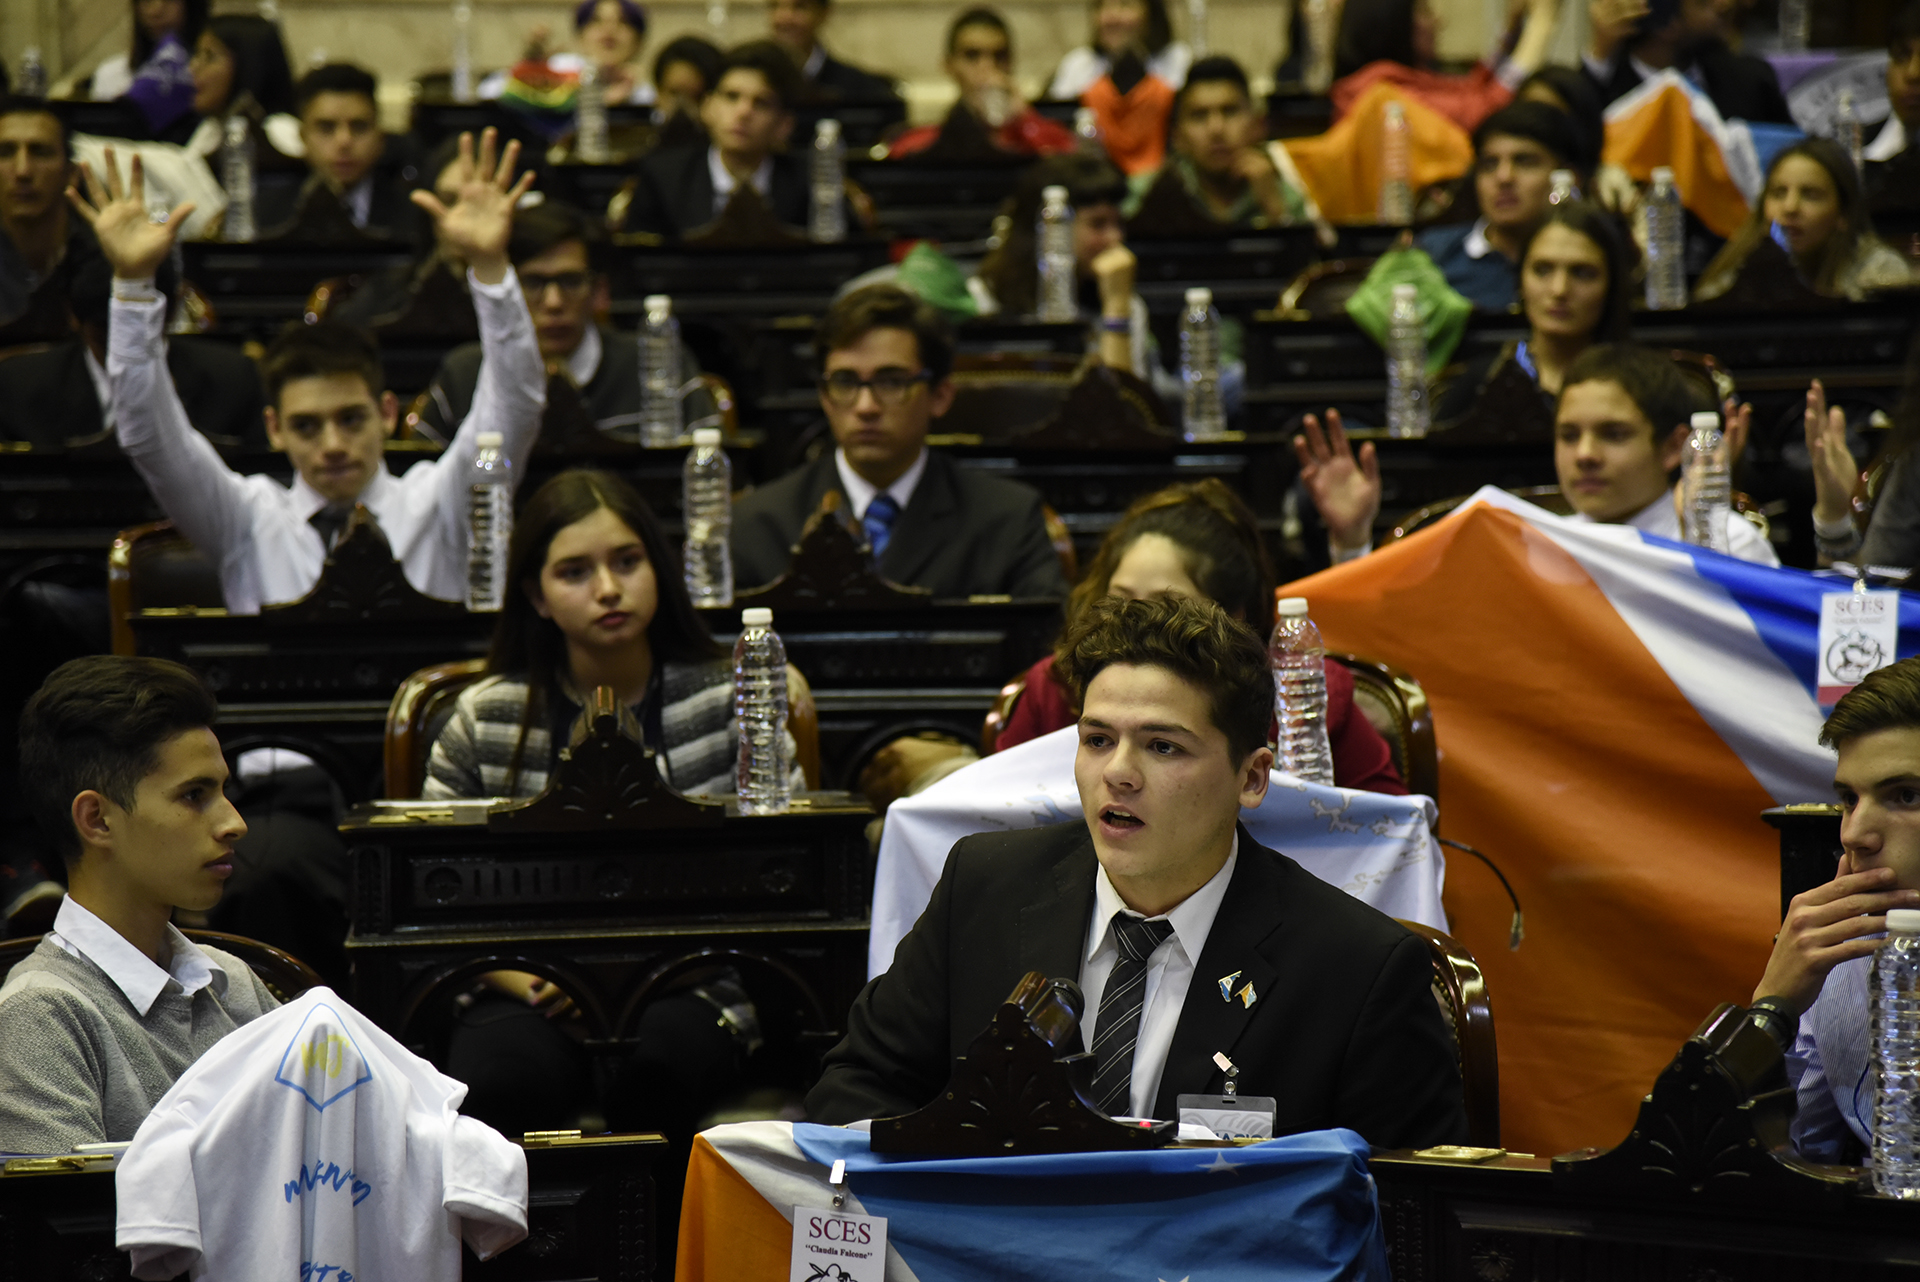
x=1859, y=633
x=838, y=1246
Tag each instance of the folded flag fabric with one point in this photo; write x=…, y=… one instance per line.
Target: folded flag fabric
x=1343, y=168
x=1377, y=848
x=1443, y=311
x=1613, y=712
x=1288, y=1210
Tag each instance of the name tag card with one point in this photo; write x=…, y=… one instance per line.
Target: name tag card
x=1231, y=1117
x=837, y=1246
x=1859, y=632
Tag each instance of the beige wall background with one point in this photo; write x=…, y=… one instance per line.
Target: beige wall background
x=397, y=39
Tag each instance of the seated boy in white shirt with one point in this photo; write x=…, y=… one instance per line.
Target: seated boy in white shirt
x=328, y=406
x=1619, y=434
x=122, y=770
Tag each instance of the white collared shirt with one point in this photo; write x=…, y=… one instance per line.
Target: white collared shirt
x=188, y=970
x=256, y=529
x=102, y=386
x=815, y=60
x=359, y=201
x=724, y=181
x=1169, y=972
x=1662, y=519
x=861, y=492
x=1888, y=143
x=1476, y=245
x=585, y=361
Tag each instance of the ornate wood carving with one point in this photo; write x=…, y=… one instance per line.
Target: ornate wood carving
x=361, y=582
x=1106, y=409
x=1509, y=408
x=1013, y=1092
x=1169, y=210
x=748, y=222
x=321, y=220
x=606, y=778
x=833, y=569
x=1769, y=282
x=1714, y=1127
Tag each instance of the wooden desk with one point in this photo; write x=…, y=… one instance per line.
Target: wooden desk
x=1245, y=270
x=591, y=1217
x=255, y=289
x=949, y=201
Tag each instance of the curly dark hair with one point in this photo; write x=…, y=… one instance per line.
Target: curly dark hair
x=1220, y=547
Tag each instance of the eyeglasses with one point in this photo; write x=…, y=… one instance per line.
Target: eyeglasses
x=889, y=386
x=572, y=284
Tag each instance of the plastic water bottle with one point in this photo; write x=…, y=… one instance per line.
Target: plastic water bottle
x=1794, y=23
x=33, y=73
x=706, y=499
x=1666, y=245
x=1893, y=1022
x=1197, y=28
x=1058, y=296
x=462, y=78
x=489, y=523
x=1086, y=127
x=1204, y=419
x=1396, y=169
x=760, y=707
x=1300, y=694
x=827, y=224
x=659, y=374
x=1707, y=499
x=1848, y=131
x=590, y=118
x=1408, y=412
x=1322, y=17
x=236, y=175
x=1563, y=187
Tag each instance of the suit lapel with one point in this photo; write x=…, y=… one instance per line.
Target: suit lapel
x=1209, y=1023
x=1052, y=932
x=916, y=534
x=696, y=193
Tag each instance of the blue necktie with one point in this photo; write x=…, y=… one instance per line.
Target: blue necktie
x=878, y=521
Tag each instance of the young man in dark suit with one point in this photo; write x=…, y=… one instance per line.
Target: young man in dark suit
x=40, y=244
x=885, y=359
x=347, y=154
x=795, y=26
x=1630, y=41
x=748, y=114
x=1186, y=936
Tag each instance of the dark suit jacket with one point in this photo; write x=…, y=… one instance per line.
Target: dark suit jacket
x=675, y=193
x=842, y=82
x=1344, y=1031
x=390, y=211
x=1742, y=86
x=48, y=398
x=963, y=532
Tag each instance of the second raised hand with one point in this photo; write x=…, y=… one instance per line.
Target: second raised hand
x=480, y=220
x=133, y=244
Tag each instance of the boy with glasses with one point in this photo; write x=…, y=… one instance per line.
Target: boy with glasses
x=885, y=358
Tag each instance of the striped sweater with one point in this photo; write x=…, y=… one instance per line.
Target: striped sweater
x=698, y=741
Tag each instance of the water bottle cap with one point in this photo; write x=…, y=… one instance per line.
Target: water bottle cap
x=826, y=130
x=1663, y=174
x=758, y=616
x=1054, y=195
x=1406, y=293
x=1903, y=921
x=1291, y=607
x=1199, y=296
x=705, y=436
x=662, y=303
x=489, y=440
x=1704, y=419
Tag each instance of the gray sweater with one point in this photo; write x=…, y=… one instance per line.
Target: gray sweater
x=79, y=1065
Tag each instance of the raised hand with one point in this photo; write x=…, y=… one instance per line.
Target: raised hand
x=1737, y=420
x=1834, y=470
x=1610, y=23
x=134, y=245
x=1828, y=925
x=1345, y=491
x=480, y=220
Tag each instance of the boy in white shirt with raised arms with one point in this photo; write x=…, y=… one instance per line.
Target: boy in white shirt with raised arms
x=328, y=404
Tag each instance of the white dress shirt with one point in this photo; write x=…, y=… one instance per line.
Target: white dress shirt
x=1888, y=143
x=585, y=361
x=861, y=492
x=724, y=181
x=358, y=200
x=1662, y=518
x=256, y=529
x=1169, y=972
x=188, y=970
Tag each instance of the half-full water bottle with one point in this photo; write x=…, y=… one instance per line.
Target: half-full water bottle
x=706, y=499
x=828, y=221
x=1795, y=22
x=1408, y=411
x=1204, y=419
x=760, y=708
x=462, y=77
x=659, y=374
x=1893, y=1026
x=236, y=175
x=1848, y=131
x=33, y=73
x=1058, y=301
x=489, y=522
x=1396, y=169
x=590, y=117
x=1086, y=128
x=1318, y=74
x=1706, y=498
x=1666, y=245
x=1563, y=187
x=1300, y=695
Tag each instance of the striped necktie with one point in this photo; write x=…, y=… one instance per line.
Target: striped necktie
x=878, y=521
x=1118, y=1030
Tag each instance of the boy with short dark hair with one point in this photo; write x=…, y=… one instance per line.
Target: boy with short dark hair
x=339, y=112
x=121, y=768
x=1220, y=153
x=327, y=406
x=795, y=28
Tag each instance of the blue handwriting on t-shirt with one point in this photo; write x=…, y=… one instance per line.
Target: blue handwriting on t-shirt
x=311, y=1272
x=328, y=1174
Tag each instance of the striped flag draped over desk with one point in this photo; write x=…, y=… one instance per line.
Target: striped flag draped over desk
x=1287, y=1210
x=1613, y=711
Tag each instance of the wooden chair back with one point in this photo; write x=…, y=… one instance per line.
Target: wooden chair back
x=153, y=566
x=285, y=975
x=997, y=715
x=1461, y=991
x=1394, y=703
x=1322, y=289
x=1062, y=539
x=424, y=702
